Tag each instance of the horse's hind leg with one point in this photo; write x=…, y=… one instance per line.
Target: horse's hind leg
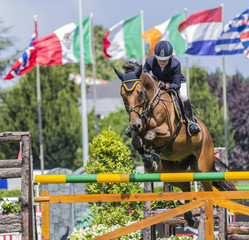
x=188, y=216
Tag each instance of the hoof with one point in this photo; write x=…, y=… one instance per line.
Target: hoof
x=150, y=167
x=136, y=142
x=191, y=220
x=156, y=157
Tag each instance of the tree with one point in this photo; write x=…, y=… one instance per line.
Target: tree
x=60, y=115
x=119, y=121
x=109, y=155
x=238, y=103
x=5, y=42
x=208, y=105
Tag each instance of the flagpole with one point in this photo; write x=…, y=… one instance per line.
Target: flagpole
x=83, y=91
x=142, y=30
x=187, y=67
x=94, y=74
x=38, y=89
x=224, y=96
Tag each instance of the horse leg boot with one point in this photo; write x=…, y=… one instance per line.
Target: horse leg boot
x=137, y=143
x=188, y=216
x=193, y=128
x=150, y=159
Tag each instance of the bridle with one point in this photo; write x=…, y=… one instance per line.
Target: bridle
x=130, y=109
x=147, y=107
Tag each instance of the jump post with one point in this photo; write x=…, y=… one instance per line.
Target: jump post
x=19, y=168
x=198, y=199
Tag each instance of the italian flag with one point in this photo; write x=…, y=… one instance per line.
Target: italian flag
x=167, y=30
x=63, y=46
x=123, y=40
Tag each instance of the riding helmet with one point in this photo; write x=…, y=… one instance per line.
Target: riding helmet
x=163, y=50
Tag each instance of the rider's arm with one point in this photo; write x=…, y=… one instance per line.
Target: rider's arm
x=176, y=77
x=146, y=67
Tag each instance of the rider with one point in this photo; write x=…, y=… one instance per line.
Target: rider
x=167, y=69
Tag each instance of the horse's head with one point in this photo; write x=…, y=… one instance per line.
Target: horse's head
x=134, y=97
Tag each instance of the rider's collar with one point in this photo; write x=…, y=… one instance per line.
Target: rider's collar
x=130, y=84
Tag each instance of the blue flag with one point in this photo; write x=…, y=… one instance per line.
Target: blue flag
x=234, y=38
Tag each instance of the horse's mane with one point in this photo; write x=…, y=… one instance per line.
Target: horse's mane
x=130, y=66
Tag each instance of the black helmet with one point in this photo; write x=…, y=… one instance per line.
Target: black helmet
x=163, y=50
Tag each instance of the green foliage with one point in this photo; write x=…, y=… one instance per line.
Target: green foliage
x=9, y=207
x=208, y=105
x=85, y=220
x=5, y=43
x=109, y=155
x=119, y=121
x=61, y=119
x=100, y=229
x=10, y=193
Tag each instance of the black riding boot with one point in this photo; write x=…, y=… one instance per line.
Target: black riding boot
x=193, y=128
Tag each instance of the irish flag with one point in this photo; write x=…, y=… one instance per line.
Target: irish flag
x=63, y=46
x=167, y=30
x=123, y=40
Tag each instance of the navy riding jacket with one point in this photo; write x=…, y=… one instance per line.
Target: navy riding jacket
x=171, y=74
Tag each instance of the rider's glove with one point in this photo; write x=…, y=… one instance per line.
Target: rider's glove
x=164, y=86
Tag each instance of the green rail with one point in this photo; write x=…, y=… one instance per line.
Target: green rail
x=152, y=177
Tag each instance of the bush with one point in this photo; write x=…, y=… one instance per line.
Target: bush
x=100, y=229
x=8, y=207
x=109, y=155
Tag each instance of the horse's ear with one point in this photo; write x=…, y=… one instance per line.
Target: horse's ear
x=139, y=72
x=120, y=75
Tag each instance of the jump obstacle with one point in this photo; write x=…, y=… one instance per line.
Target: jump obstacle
x=150, y=177
x=19, y=168
x=198, y=199
x=24, y=222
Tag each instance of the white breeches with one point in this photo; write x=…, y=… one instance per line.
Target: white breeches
x=183, y=91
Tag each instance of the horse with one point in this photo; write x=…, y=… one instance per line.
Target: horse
x=160, y=135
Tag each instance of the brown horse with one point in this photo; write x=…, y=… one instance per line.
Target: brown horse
x=155, y=125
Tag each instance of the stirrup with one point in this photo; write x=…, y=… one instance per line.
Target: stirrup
x=194, y=131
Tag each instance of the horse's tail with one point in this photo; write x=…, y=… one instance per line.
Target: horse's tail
x=222, y=186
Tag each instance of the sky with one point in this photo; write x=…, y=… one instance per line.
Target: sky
x=52, y=14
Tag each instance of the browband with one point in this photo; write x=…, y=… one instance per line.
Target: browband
x=130, y=88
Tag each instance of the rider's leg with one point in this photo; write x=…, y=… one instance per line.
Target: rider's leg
x=193, y=128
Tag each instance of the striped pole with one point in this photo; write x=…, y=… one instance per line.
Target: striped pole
x=152, y=177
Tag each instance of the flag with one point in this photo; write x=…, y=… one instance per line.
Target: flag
x=235, y=37
x=201, y=31
x=63, y=46
x=26, y=62
x=123, y=40
x=167, y=30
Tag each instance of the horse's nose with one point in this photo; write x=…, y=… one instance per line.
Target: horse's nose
x=137, y=127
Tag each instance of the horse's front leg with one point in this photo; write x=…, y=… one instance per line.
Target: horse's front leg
x=151, y=160
x=137, y=142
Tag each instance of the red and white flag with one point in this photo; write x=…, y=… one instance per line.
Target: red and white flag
x=26, y=62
